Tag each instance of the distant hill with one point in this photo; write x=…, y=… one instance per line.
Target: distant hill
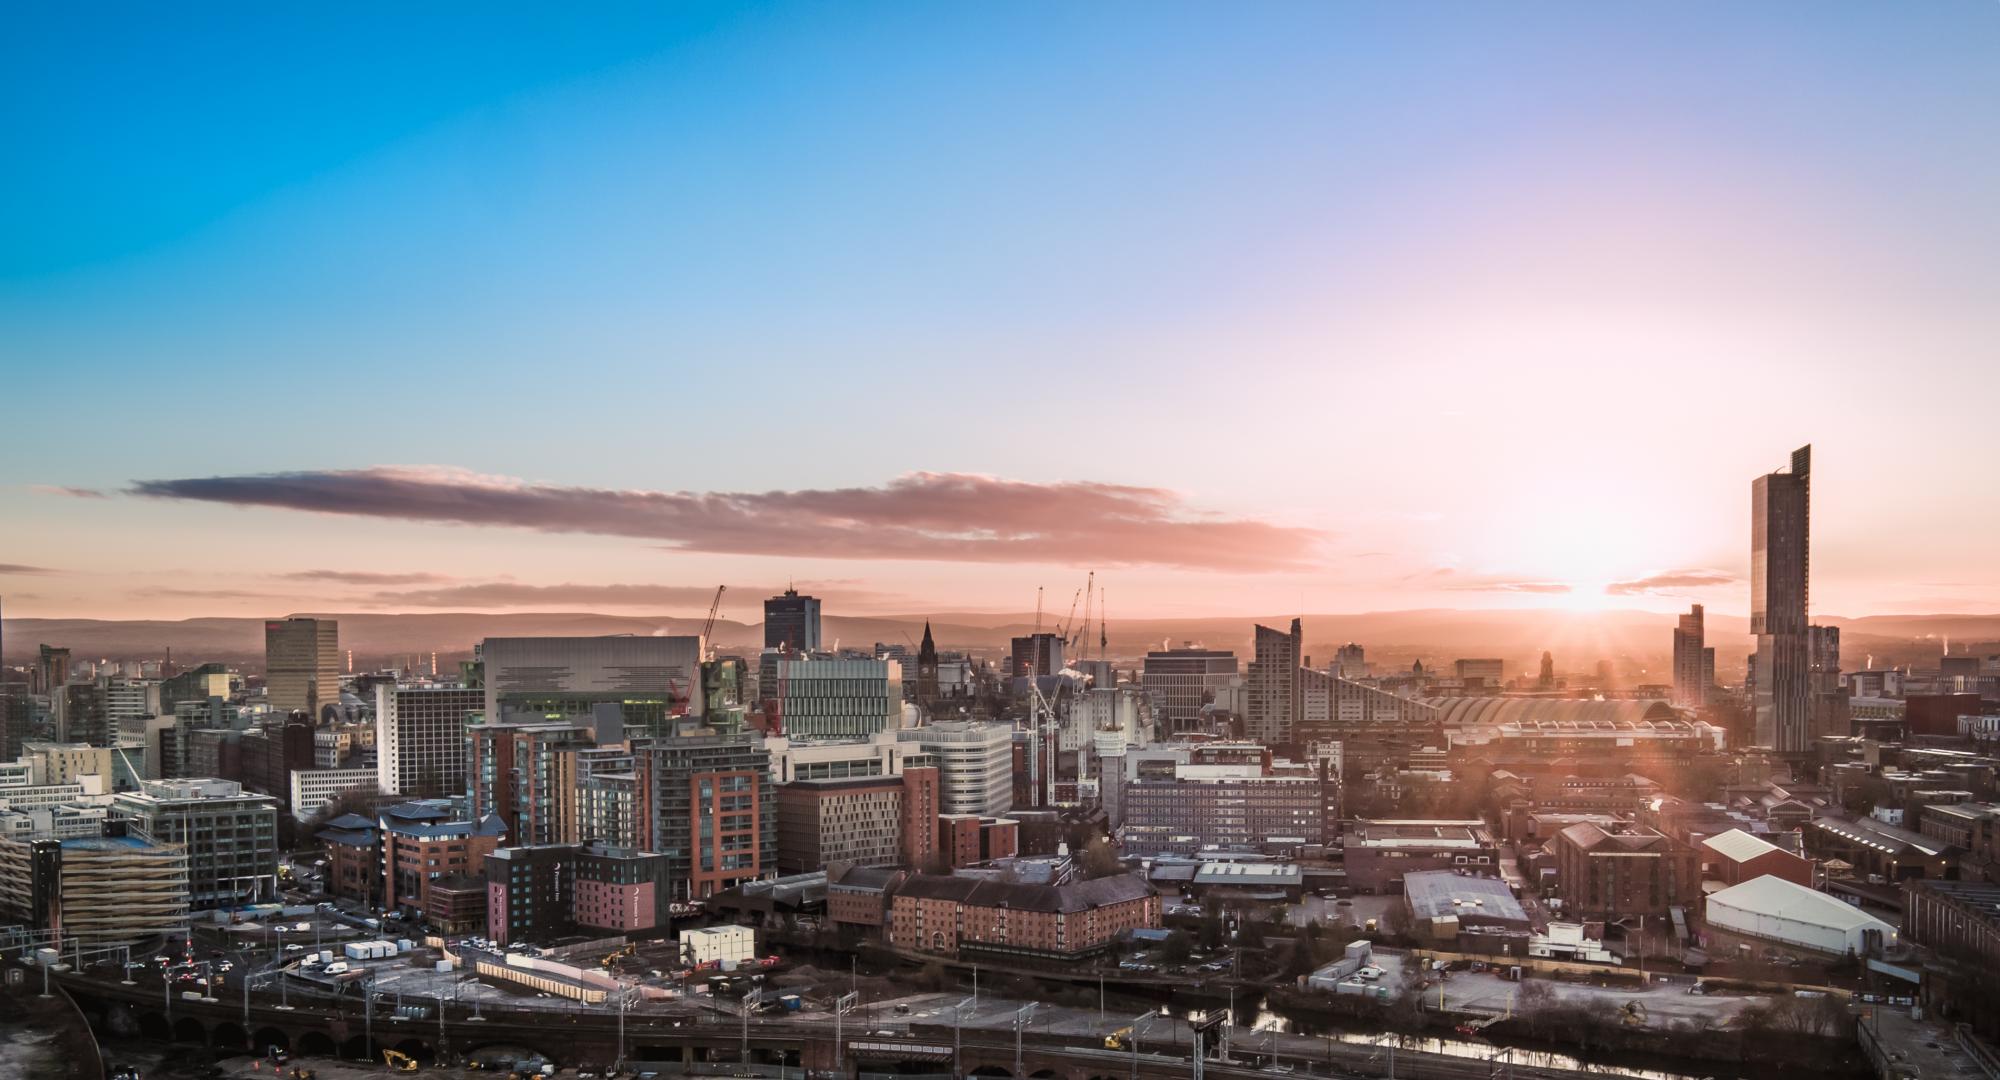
x=1518, y=636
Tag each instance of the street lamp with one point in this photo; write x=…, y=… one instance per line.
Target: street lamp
x=957, y=1028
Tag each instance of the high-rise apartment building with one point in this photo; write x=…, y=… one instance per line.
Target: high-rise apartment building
x=1780, y=547
x=791, y=622
x=526, y=773
x=706, y=805
x=1694, y=660
x=1275, y=703
x=652, y=681
x=420, y=739
x=1180, y=681
x=301, y=664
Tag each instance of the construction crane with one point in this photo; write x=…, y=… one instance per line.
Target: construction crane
x=1066, y=629
x=708, y=628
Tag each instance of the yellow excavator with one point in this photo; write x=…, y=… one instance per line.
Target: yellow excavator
x=611, y=958
x=1116, y=1040
x=399, y=1061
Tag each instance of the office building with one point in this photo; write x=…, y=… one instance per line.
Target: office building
x=1274, y=703
x=1694, y=660
x=1035, y=654
x=17, y=718
x=197, y=684
x=1350, y=661
x=706, y=805
x=1780, y=675
x=420, y=738
x=791, y=623
x=1180, y=807
x=1332, y=708
x=866, y=821
x=975, y=763
x=824, y=698
x=81, y=715
x=312, y=789
x=1481, y=673
x=51, y=671
x=231, y=836
x=393, y=858
x=1377, y=853
x=301, y=665
x=651, y=682
x=1180, y=681
x=1830, y=706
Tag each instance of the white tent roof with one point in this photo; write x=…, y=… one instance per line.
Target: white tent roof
x=1769, y=895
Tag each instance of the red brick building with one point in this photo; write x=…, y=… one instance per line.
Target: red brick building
x=1631, y=871
x=392, y=860
x=867, y=821
x=1736, y=856
x=958, y=916
x=964, y=839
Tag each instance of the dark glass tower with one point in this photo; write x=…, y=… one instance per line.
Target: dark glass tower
x=1780, y=512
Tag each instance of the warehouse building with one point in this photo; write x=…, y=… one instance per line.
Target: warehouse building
x=1769, y=915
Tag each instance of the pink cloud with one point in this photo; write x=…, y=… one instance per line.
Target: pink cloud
x=948, y=517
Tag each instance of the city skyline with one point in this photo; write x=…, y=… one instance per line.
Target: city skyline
x=922, y=309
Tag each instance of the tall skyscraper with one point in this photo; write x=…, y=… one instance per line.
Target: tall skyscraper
x=301, y=664
x=1271, y=715
x=420, y=739
x=1694, y=661
x=1780, y=529
x=791, y=621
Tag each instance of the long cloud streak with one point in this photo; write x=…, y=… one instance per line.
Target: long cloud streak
x=947, y=517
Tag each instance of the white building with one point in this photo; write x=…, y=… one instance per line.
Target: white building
x=881, y=754
x=975, y=763
x=724, y=945
x=1787, y=913
x=420, y=739
x=313, y=788
x=835, y=698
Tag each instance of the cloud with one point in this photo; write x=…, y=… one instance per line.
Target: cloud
x=70, y=492
x=164, y=593
x=1671, y=581
x=946, y=517
x=365, y=577
x=513, y=594
x=17, y=568
x=1451, y=581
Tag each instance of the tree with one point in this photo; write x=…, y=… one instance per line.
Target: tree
x=1210, y=933
x=1100, y=859
x=1177, y=947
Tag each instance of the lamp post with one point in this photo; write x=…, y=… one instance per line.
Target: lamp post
x=750, y=1001
x=1139, y=1023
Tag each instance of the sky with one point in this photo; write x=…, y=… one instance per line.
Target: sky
x=1246, y=308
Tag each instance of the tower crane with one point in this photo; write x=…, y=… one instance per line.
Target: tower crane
x=708, y=628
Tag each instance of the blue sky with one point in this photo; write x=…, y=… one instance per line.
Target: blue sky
x=1446, y=265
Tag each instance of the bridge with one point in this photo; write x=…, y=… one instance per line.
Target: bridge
x=818, y=1048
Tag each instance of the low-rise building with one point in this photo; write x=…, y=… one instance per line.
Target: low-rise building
x=547, y=890
x=965, y=916
x=1631, y=870
x=1448, y=906
x=1769, y=915
x=1378, y=852
x=722, y=946
x=1736, y=856
x=102, y=889
x=965, y=839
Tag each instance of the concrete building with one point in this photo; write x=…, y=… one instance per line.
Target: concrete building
x=840, y=699
x=102, y=889
x=1480, y=673
x=1445, y=905
x=230, y=836
x=1780, y=542
x=1275, y=703
x=420, y=738
x=1333, y=709
x=1768, y=912
x=975, y=763
x=1623, y=872
x=725, y=947
x=1379, y=852
x=1189, y=798
x=866, y=821
x=1955, y=919
x=791, y=623
x=651, y=682
x=1179, y=682
x=1035, y=654
x=706, y=803
x=977, y=916
x=301, y=665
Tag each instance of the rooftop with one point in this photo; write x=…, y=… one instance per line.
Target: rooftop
x=1436, y=894
x=985, y=892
